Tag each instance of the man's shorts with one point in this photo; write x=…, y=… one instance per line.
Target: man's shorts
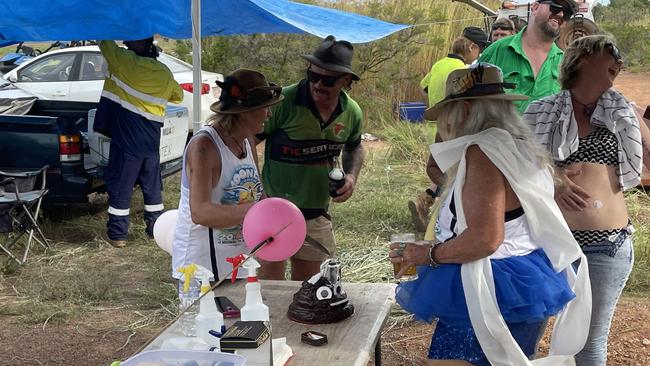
x=319, y=229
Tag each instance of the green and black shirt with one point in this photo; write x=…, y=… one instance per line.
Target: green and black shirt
x=300, y=146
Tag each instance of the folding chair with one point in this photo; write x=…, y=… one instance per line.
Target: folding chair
x=21, y=200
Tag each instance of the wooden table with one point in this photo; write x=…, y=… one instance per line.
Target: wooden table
x=350, y=342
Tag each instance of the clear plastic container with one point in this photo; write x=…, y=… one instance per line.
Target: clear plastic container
x=184, y=358
x=187, y=300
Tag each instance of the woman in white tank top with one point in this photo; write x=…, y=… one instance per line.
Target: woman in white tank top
x=220, y=180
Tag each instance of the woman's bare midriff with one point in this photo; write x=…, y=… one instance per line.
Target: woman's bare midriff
x=606, y=207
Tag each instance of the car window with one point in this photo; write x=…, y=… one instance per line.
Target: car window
x=93, y=66
x=52, y=68
x=174, y=64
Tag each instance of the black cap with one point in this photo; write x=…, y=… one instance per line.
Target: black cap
x=476, y=35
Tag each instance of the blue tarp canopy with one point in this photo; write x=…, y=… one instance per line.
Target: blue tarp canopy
x=46, y=20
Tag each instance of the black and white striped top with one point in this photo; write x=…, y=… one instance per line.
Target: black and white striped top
x=554, y=126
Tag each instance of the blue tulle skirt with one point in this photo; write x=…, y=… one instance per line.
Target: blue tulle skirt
x=527, y=290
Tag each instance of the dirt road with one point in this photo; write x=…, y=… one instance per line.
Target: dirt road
x=636, y=87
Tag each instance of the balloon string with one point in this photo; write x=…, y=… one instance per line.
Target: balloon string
x=234, y=268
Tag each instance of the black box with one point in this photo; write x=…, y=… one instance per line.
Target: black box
x=245, y=335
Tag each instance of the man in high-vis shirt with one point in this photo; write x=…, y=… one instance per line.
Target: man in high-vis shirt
x=131, y=111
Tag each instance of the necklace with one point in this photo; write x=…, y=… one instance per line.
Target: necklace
x=587, y=109
x=242, y=152
x=240, y=147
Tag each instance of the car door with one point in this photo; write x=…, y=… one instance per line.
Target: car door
x=89, y=81
x=48, y=77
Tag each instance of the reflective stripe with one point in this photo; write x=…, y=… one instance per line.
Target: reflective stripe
x=138, y=94
x=154, y=208
x=118, y=211
x=130, y=107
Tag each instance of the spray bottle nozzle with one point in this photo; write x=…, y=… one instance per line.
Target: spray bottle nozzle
x=205, y=275
x=188, y=273
x=235, y=262
x=251, y=265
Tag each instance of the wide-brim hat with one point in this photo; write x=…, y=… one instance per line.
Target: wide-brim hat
x=244, y=91
x=479, y=81
x=333, y=55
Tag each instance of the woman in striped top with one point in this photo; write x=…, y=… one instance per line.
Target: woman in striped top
x=595, y=139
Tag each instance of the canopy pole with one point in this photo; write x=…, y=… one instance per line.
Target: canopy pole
x=196, y=65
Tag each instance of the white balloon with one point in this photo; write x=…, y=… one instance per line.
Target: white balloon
x=164, y=229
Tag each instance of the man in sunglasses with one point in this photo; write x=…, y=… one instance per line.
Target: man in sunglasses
x=501, y=28
x=531, y=58
x=312, y=125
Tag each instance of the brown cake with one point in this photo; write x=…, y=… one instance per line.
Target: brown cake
x=319, y=302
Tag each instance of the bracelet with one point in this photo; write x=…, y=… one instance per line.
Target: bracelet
x=432, y=261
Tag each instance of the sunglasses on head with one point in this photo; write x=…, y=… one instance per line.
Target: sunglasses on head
x=614, y=51
x=262, y=94
x=326, y=80
x=501, y=27
x=555, y=8
x=253, y=97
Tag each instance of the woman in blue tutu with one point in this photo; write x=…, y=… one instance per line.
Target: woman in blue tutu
x=500, y=260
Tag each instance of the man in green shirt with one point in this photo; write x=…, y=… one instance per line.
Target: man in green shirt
x=312, y=125
x=530, y=59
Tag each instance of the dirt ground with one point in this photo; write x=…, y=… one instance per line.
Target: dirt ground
x=104, y=337
x=635, y=87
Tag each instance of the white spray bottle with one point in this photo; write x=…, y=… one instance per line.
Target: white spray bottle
x=209, y=317
x=254, y=309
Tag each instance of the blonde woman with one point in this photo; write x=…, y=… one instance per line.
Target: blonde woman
x=500, y=263
x=220, y=180
x=595, y=139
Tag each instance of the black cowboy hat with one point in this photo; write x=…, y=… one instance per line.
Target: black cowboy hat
x=244, y=91
x=333, y=55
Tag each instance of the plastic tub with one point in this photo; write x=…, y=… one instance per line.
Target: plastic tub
x=411, y=111
x=184, y=358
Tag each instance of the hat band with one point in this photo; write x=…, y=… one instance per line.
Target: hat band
x=483, y=90
x=254, y=98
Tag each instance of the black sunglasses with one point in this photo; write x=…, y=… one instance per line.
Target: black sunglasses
x=253, y=97
x=262, y=94
x=614, y=51
x=555, y=8
x=326, y=80
x=502, y=27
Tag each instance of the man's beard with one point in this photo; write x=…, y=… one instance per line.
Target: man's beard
x=548, y=31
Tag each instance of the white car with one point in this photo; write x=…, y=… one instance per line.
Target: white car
x=77, y=74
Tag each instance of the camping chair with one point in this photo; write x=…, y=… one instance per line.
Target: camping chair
x=21, y=199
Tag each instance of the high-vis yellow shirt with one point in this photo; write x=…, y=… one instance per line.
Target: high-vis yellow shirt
x=142, y=85
x=438, y=77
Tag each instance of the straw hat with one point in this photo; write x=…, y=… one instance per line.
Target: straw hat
x=480, y=81
x=244, y=91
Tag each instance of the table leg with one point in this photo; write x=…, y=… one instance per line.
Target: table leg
x=378, y=352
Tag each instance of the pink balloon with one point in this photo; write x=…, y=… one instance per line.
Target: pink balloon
x=265, y=219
